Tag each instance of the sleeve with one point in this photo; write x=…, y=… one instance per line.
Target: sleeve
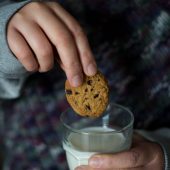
x=161, y=136
x=12, y=73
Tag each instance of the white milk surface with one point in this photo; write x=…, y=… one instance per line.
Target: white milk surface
x=81, y=147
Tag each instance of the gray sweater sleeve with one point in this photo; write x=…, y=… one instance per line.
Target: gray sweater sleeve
x=12, y=73
x=161, y=136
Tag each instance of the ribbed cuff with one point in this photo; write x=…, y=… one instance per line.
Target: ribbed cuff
x=166, y=150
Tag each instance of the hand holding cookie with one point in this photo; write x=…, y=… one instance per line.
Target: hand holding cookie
x=91, y=98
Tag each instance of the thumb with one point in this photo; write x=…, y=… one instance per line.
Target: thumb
x=135, y=157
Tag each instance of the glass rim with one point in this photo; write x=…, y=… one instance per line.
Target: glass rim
x=106, y=132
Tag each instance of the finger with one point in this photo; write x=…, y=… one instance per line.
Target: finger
x=86, y=56
x=136, y=157
x=64, y=42
x=21, y=50
x=39, y=44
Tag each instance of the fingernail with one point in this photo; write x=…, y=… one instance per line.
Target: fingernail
x=95, y=162
x=76, y=81
x=91, y=69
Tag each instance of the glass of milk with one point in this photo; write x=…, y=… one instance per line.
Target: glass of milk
x=84, y=136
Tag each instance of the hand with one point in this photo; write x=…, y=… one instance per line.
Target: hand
x=144, y=155
x=39, y=29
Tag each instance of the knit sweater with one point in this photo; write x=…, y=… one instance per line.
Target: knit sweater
x=130, y=40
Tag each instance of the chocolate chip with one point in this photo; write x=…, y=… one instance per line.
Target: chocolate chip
x=68, y=91
x=86, y=90
x=95, y=96
x=92, y=89
x=77, y=93
x=88, y=107
x=89, y=82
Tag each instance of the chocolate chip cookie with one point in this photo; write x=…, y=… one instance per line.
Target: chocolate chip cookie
x=91, y=98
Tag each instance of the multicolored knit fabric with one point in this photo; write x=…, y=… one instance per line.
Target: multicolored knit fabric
x=130, y=40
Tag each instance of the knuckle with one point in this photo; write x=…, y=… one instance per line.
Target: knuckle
x=134, y=157
x=24, y=14
x=37, y=5
x=19, y=16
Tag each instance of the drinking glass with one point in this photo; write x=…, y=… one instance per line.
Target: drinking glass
x=85, y=136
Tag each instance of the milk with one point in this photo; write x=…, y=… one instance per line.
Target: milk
x=80, y=147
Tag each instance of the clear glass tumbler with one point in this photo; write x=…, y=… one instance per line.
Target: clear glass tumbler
x=84, y=136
